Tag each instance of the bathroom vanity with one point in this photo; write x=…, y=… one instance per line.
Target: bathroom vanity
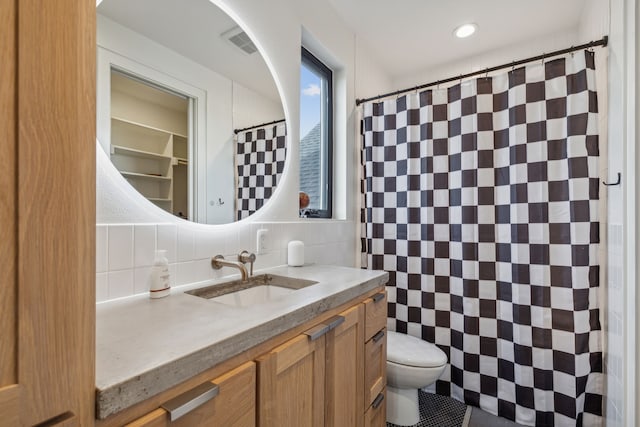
x=313, y=356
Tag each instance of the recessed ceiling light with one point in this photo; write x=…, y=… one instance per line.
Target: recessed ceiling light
x=465, y=30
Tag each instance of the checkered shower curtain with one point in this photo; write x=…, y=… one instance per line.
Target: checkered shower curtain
x=260, y=155
x=481, y=200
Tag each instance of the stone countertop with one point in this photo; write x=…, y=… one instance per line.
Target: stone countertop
x=146, y=346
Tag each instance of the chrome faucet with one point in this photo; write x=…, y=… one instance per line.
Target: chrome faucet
x=218, y=261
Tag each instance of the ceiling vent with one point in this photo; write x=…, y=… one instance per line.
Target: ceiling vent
x=240, y=39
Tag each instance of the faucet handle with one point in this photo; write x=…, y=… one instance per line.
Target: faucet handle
x=214, y=262
x=245, y=257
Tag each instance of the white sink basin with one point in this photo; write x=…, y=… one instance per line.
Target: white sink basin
x=256, y=290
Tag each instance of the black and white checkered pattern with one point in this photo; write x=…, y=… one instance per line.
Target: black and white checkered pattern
x=481, y=200
x=260, y=156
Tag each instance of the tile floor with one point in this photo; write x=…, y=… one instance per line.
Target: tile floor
x=480, y=418
x=442, y=411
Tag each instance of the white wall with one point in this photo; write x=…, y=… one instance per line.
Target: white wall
x=616, y=18
x=129, y=227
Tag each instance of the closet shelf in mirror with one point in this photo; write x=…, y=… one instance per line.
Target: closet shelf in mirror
x=146, y=126
x=119, y=149
x=159, y=200
x=145, y=176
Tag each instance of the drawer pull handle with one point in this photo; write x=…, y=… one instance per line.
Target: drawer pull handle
x=335, y=321
x=187, y=402
x=377, y=337
x=317, y=332
x=377, y=297
x=378, y=401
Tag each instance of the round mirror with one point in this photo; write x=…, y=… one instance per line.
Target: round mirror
x=188, y=109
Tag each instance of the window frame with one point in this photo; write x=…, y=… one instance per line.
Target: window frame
x=310, y=61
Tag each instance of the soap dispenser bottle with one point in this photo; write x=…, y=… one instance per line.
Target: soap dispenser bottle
x=160, y=286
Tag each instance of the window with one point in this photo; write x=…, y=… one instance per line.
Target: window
x=316, y=137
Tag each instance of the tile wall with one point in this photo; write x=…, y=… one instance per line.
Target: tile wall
x=125, y=252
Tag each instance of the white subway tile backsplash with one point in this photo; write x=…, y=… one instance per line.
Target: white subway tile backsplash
x=167, y=240
x=142, y=280
x=102, y=287
x=246, y=240
x=209, y=244
x=120, y=283
x=294, y=231
x=185, y=273
x=120, y=245
x=102, y=248
x=202, y=270
x=268, y=259
x=186, y=244
x=144, y=244
x=231, y=245
x=345, y=254
x=125, y=253
x=172, y=274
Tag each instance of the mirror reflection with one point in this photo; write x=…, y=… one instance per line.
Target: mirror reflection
x=196, y=124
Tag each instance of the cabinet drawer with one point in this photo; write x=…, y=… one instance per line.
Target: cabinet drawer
x=234, y=405
x=375, y=365
x=376, y=415
x=375, y=312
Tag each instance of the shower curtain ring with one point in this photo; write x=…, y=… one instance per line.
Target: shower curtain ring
x=543, y=55
x=486, y=73
x=513, y=66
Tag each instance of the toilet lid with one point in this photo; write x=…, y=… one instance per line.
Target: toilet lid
x=411, y=351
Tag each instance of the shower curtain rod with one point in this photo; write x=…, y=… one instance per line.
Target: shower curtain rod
x=237, y=131
x=602, y=42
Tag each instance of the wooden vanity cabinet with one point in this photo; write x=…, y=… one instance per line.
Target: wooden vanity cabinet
x=324, y=373
x=316, y=378
x=375, y=360
x=234, y=405
x=291, y=382
x=328, y=367
x=344, y=382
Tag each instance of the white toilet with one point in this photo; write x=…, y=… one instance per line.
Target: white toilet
x=411, y=365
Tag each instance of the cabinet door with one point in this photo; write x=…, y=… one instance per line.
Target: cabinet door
x=376, y=415
x=344, y=380
x=375, y=363
x=233, y=406
x=375, y=314
x=47, y=212
x=291, y=382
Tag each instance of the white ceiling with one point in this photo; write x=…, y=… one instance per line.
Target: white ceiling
x=193, y=29
x=409, y=36
x=403, y=36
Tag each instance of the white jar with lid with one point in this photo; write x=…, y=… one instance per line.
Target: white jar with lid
x=295, y=253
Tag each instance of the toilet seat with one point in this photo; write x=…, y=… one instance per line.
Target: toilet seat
x=407, y=350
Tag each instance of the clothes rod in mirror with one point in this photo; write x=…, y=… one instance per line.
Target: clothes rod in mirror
x=602, y=42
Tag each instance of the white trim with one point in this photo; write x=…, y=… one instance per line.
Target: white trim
x=107, y=60
x=632, y=268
